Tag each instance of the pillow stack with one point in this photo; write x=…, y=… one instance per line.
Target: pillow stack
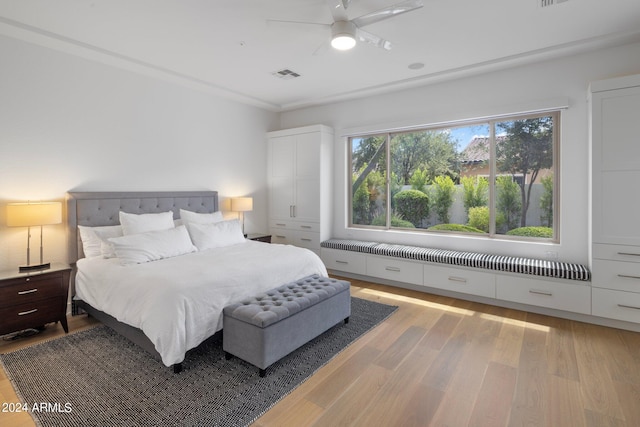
x=143, y=238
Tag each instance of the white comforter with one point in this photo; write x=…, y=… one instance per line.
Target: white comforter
x=178, y=302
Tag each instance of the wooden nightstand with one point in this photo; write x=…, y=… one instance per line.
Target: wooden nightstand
x=259, y=237
x=30, y=300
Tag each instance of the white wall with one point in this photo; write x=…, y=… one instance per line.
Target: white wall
x=492, y=93
x=68, y=123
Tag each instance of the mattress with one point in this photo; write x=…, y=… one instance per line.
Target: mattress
x=177, y=302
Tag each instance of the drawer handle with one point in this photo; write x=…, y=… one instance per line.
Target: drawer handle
x=305, y=240
x=392, y=269
x=281, y=237
x=24, y=313
x=628, y=306
x=341, y=262
x=537, y=292
x=626, y=276
x=305, y=226
x=628, y=254
x=30, y=291
x=457, y=279
x=281, y=225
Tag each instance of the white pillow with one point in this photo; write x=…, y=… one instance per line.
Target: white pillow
x=217, y=235
x=189, y=217
x=93, y=238
x=134, y=224
x=153, y=245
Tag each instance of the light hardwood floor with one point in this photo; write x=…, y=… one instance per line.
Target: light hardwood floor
x=446, y=362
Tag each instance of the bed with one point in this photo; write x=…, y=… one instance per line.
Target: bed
x=171, y=305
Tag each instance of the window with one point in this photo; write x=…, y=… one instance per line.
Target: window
x=494, y=178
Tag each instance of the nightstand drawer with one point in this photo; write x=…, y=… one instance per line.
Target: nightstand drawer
x=29, y=289
x=31, y=315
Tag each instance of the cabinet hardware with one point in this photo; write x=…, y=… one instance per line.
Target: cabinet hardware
x=305, y=240
x=24, y=313
x=305, y=226
x=281, y=225
x=291, y=211
x=545, y=293
x=341, y=262
x=628, y=254
x=295, y=214
x=626, y=276
x=457, y=279
x=628, y=306
x=281, y=237
x=392, y=269
x=30, y=291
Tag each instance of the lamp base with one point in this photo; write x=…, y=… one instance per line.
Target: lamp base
x=36, y=267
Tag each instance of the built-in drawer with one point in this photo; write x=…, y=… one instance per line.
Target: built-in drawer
x=544, y=293
x=280, y=223
x=616, y=252
x=309, y=240
x=459, y=280
x=351, y=262
x=295, y=225
x=622, y=276
x=393, y=269
x=616, y=305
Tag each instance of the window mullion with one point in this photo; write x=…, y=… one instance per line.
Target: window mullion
x=388, y=182
x=492, y=178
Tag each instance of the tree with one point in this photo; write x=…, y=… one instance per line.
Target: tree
x=475, y=191
x=367, y=157
x=526, y=150
x=432, y=152
x=445, y=189
x=546, y=201
x=508, y=204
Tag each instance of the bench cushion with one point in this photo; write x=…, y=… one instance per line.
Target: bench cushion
x=277, y=304
x=537, y=267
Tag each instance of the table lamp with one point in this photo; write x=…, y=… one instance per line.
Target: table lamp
x=33, y=214
x=242, y=205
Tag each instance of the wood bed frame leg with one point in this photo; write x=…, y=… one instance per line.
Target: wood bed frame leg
x=263, y=372
x=346, y=320
x=177, y=368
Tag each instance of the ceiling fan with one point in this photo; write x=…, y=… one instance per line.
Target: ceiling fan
x=345, y=32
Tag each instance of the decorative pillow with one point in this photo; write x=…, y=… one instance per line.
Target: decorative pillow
x=217, y=235
x=152, y=246
x=134, y=224
x=93, y=238
x=189, y=217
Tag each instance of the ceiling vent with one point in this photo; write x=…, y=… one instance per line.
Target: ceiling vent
x=285, y=74
x=547, y=3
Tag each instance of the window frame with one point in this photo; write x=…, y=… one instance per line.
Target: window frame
x=555, y=113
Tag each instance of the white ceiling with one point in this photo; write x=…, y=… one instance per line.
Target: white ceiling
x=229, y=47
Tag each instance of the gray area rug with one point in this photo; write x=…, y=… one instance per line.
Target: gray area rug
x=98, y=378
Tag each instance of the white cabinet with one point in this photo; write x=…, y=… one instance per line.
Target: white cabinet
x=349, y=262
x=460, y=280
x=615, y=207
x=395, y=269
x=300, y=180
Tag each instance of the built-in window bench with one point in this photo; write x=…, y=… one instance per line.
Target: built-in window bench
x=549, y=287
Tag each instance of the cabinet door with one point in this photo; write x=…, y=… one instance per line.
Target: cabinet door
x=307, y=155
x=282, y=152
x=281, y=197
x=307, y=199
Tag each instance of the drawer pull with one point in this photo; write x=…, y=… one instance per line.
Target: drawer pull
x=628, y=254
x=24, y=313
x=305, y=240
x=392, y=269
x=281, y=225
x=628, y=306
x=30, y=291
x=537, y=292
x=341, y=262
x=305, y=226
x=626, y=276
x=281, y=237
x=457, y=279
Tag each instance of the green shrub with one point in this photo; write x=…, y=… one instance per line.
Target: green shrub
x=479, y=218
x=419, y=180
x=544, y=232
x=396, y=221
x=455, y=227
x=476, y=189
x=546, y=201
x=412, y=205
x=445, y=189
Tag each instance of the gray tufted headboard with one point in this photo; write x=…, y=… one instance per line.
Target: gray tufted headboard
x=102, y=208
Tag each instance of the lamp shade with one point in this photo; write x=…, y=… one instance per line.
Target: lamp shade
x=242, y=204
x=30, y=214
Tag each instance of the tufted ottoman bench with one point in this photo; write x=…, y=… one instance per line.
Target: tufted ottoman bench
x=264, y=328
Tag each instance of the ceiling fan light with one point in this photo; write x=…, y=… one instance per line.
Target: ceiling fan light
x=343, y=41
x=343, y=35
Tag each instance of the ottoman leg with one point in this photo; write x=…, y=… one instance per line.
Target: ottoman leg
x=263, y=372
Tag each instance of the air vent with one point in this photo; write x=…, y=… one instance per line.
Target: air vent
x=547, y=3
x=285, y=74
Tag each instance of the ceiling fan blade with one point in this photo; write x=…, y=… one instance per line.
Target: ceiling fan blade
x=395, y=10
x=377, y=41
x=346, y=3
x=338, y=10
x=285, y=22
